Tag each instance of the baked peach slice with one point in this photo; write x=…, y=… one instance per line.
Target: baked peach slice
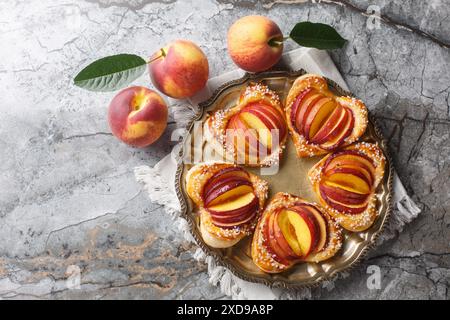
x=345, y=182
x=318, y=120
x=253, y=132
x=322, y=226
x=235, y=212
x=227, y=191
x=258, y=123
x=292, y=230
x=300, y=229
x=276, y=243
x=318, y=114
x=288, y=234
x=228, y=199
x=331, y=126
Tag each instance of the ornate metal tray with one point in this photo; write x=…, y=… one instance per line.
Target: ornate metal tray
x=237, y=258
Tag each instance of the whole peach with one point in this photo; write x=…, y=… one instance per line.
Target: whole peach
x=137, y=116
x=255, y=43
x=179, y=70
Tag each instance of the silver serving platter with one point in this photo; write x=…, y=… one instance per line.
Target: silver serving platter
x=291, y=178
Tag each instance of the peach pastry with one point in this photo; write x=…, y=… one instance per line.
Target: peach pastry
x=345, y=182
x=319, y=121
x=229, y=201
x=254, y=131
x=292, y=230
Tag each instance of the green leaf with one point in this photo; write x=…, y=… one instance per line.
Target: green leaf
x=111, y=73
x=316, y=35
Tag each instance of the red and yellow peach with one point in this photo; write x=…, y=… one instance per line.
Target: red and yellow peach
x=137, y=116
x=255, y=43
x=179, y=70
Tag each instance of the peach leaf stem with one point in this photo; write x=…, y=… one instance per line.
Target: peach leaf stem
x=161, y=55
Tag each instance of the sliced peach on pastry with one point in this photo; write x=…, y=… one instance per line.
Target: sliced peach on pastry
x=343, y=196
x=275, y=116
x=261, y=125
x=227, y=188
x=349, y=157
x=304, y=110
x=235, y=171
x=322, y=227
x=252, y=121
x=254, y=130
x=237, y=208
x=234, y=206
x=350, y=206
x=237, y=216
x=346, y=208
x=353, y=170
x=351, y=209
x=236, y=123
x=244, y=140
x=226, y=222
x=237, y=202
x=255, y=149
x=331, y=127
x=305, y=230
x=234, y=126
x=269, y=116
x=217, y=182
x=318, y=114
x=288, y=233
x=305, y=227
x=348, y=182
x=231, y=125
x=278, y=253
x=266, y=111
x=296, y=105
x=339, y=136
x=236, y=135
x=282, y=241
x=348, y=163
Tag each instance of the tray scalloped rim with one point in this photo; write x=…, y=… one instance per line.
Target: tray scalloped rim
x=192, y=223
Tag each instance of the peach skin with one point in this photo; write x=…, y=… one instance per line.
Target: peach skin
x=179, y=70
x=137, y=116
x=255, y=43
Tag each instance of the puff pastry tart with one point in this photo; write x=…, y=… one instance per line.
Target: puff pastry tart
x=319, y=121
x=229, y=201
x=254, y=131
x=292, y=230
x=345, y=182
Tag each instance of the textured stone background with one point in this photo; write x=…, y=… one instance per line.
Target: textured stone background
x=67, y=191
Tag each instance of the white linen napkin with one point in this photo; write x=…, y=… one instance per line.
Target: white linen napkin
x=159, y=181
